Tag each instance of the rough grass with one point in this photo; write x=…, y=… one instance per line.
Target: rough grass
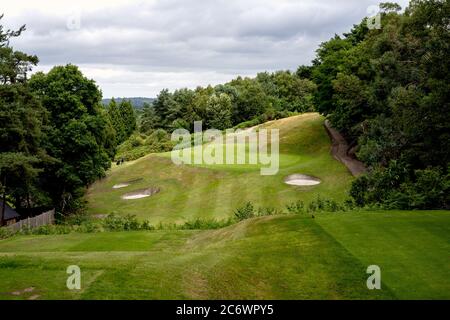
x=278, y=257
x=189, y=192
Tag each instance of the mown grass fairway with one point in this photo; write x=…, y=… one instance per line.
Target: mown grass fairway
x=189, y=192
x=278, y=257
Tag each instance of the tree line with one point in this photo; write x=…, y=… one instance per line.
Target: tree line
x=387, y=90
x=268, y=96
x=55, y=136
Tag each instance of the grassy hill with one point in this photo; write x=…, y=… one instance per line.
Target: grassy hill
x=272, y=257
x=215, y=191
x=279, y=257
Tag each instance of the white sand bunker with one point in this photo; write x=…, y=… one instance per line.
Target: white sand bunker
x=142, y=193
x=125, y=184
x=301, y=180
x=120, y=185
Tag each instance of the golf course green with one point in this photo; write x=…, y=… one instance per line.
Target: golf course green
x=215, y=191
x=289, y=256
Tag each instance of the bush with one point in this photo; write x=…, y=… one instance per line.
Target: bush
x=297, y=207
x=268, y=211
x=204, y=224
x=117, y=223
x=147, y=226
x=75, y=219
x=136, y=141
x=5, y=233
x=47, y=230
x=430, y=190
x=139, y=145
x=396, y=187
x=245, y=212
x=325, y=205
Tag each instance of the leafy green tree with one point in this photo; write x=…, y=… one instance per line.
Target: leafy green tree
x=22, y=119
x=128, y=117
x=18, y=174
x=117, y=121
x=200, y=102
x=251, y=100
x=330, y=57
x=219, y=112
x=388, y=90
x=185, y=114
x=163, y=106
x=77, y=136
x=295, y=94
x=304, y=72
x=149, y=119
x=14, y=64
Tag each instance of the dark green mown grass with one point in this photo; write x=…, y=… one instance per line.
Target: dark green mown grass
x=411, y=248
x=277, y=257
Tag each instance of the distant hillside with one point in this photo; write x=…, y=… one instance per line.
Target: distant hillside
x=138, y=102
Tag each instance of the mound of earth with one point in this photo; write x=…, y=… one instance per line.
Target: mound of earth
x=301, y=180
x=142, y=193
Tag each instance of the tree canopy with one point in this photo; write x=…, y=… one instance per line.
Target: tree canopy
x=387, y=90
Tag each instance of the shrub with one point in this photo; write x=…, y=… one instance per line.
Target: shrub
x=429, y=190
x=325, y=205
x=244, y=212
x=130, y=223
x=268, y=211
x=76, y=219
x=136, y=141
x=139, y=145
x=147, y=226
x=396, y=187
x=203, y=224
x=117, y=223
x=5, y=233
x=297, y=207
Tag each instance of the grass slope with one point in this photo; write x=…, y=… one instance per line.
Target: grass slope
x=275, y=257
x=278, y=257
x=215, y=191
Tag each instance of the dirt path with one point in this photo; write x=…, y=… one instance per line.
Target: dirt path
x=339, y=148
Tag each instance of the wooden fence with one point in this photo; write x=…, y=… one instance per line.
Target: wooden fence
x=40, y=220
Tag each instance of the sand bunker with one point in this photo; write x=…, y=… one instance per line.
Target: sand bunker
x=120, y=185
x=142, y=193
x=126, y=183
x=301, y=180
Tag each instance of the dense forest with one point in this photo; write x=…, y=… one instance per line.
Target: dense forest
x=386, y=90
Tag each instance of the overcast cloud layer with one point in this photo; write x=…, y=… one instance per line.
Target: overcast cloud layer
x=137, y=48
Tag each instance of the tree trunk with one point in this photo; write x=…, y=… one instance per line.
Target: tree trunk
x=2, y=218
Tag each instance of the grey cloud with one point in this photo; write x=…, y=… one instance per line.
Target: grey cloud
x=228, y=37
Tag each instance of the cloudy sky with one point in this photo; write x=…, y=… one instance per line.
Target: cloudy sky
x=136, y=48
